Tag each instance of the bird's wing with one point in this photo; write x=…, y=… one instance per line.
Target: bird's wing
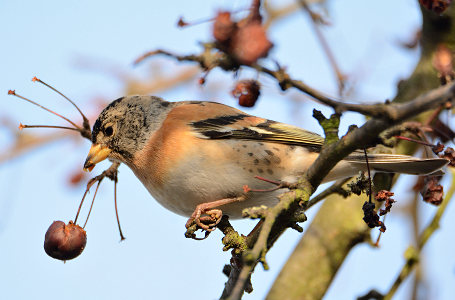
x=233, y=124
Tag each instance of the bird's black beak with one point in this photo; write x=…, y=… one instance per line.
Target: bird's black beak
x=96, y=154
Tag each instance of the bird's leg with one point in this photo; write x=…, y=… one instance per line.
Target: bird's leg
x=207, y=215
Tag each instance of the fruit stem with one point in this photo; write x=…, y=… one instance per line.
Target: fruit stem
x=13, y=93
x=93, y=201
x=116, y=210
x=84, y=118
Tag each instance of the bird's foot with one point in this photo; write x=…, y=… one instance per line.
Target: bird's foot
x=206, y=216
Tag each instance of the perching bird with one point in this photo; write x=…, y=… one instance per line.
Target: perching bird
x=195, y=154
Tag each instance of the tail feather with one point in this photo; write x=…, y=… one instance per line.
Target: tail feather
x=393, y=163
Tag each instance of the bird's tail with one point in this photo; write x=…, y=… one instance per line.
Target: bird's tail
x=393, y=163
x=386, y=163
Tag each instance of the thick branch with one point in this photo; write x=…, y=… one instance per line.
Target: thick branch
x=367, y=134
x=212, y=58
x=392, y=111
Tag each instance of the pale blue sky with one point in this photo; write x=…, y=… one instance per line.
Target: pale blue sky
x=50, y=39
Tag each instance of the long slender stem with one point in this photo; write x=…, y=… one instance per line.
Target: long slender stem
x=336, y=187
x=90, y=183
x=370, y=190
x=116, y=210
x=110, y=173
x=93, y=201
x=80, y=205
x=84, y=118
x=45, y=108
x=22, y=126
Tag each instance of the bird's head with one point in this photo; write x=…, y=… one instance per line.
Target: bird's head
x=124, y=127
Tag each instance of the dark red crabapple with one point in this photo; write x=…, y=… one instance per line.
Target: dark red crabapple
x=64, y=241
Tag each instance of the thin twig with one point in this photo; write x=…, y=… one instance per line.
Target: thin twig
x=414, y=212
x=276, y=14
x=336, y=187
x=210, y=59
x=415, y=141
x=412, y=253
x=285, y=82
x=434, y=115
x=325, y=46
x=370, y=189
x=393, y=112
x=182, y=23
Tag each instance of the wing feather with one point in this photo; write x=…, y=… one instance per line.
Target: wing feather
x=239, y=127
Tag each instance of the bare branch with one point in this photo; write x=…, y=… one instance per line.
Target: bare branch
x=316, y=20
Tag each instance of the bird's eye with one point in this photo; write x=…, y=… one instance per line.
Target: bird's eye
x=108, y=131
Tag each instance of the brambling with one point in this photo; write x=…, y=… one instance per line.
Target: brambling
x=195, y=156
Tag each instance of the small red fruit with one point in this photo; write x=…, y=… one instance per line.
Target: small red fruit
x=223, y=27
x=64, y=241
x=437, y=6
x=247, y=91
x=249, y=43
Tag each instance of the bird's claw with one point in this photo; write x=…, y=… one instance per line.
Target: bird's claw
x=205, y=219
x=206, y=216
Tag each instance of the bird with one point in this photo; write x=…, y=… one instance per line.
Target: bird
x=196, y=157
